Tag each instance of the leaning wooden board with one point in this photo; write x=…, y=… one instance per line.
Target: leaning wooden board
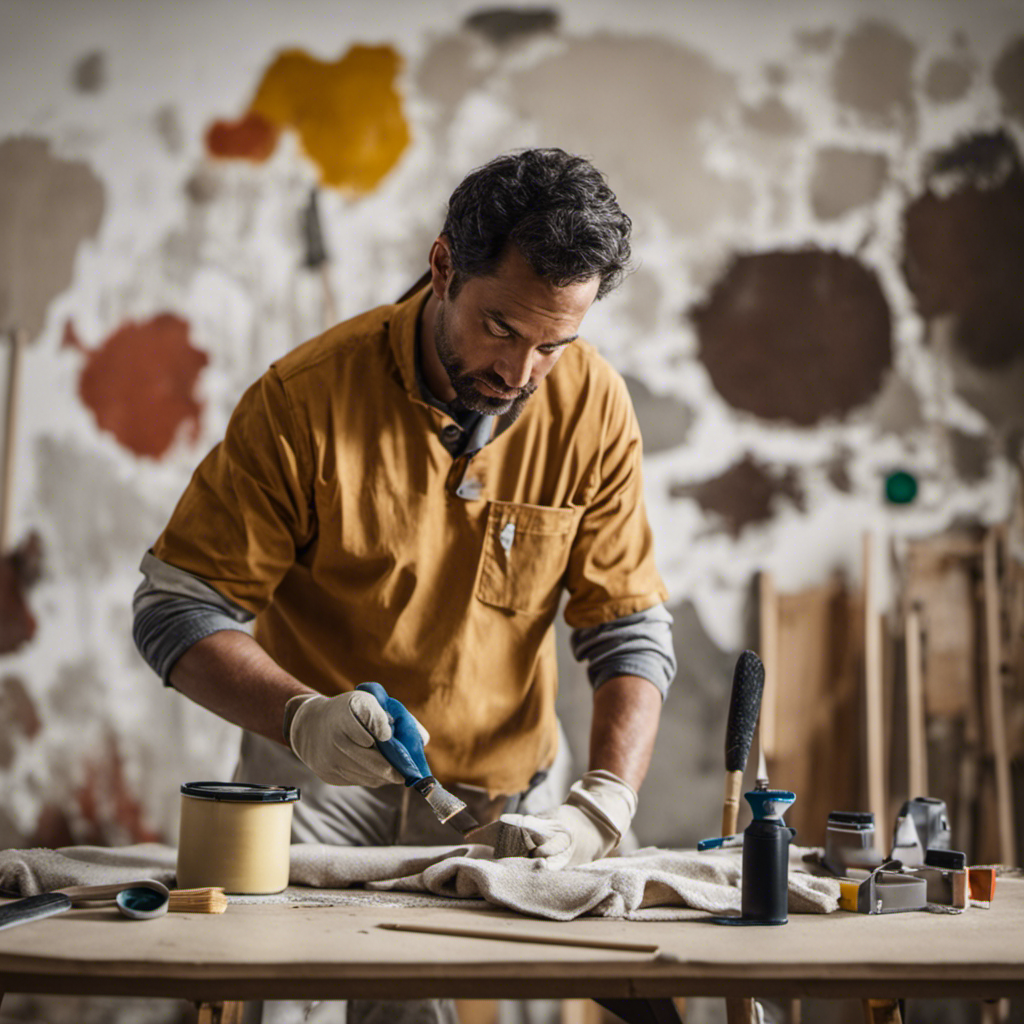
x=280, y=951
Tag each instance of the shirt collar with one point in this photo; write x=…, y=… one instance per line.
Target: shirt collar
x=402, y=333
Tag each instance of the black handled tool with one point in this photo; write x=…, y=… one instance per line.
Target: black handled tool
x=744, y=707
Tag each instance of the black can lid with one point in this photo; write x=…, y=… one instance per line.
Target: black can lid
x=244, y=792
x=852, y=819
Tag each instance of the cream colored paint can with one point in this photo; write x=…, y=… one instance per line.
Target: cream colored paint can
x=235, y=835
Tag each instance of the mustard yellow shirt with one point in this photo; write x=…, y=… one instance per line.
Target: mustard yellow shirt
x=332, y=512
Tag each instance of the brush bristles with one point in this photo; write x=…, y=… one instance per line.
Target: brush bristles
x=208, y=900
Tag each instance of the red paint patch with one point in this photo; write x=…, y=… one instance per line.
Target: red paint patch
x=139, y=384
x=111, y=813
x=53, y=829
x=70, y=338
x=251, y=137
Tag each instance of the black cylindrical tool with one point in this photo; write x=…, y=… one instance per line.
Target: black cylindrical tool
x=744, y=707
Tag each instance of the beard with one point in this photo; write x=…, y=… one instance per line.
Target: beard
x=466, y=390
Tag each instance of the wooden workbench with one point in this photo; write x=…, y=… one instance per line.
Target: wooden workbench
x=281, y=951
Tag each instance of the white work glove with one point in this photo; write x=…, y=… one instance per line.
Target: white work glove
x=335, y=737
x=588, y=826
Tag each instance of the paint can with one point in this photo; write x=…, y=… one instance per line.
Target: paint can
x=235, y=835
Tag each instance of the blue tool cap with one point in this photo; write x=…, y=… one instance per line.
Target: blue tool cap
x=769, y=804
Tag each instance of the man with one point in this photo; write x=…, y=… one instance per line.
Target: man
x=403, y=499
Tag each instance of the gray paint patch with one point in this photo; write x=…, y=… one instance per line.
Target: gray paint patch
x=772, y=117
x=664, y=421
x=1008, y=77
x=971, y=454
x=948, y=78
x=845, y=179
x=837, y=469
x=502, y=25
x=872, y=75
x=897, y=410
x=642, y=292
x=89, y=74
x=816, y=40
x=48, y=207
x=167, y=123
x=447, y=73
x=661, y=97
x=100, y=519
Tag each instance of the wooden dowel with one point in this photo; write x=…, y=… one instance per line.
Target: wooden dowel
x=15, y=341
x=769, y=640
x=917, y=748
x=731, y=804
x=875, y=722
x=994, y=704
x=547, y=938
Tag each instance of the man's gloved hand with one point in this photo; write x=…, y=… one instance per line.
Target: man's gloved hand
x=335, y=737
x=588, y=826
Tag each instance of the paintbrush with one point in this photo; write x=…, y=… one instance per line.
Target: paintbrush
x=405, y=751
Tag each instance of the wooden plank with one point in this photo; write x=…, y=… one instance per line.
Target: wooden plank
x=994, y=705
x=477, y=1011
x=769, y=653
x=874, y=740
x=882, y=1011
x=917, y=747
x=741, y=1011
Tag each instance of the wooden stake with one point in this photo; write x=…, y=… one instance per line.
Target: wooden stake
x=994, y=704
x=548, y=938
x=15, y=341
x=875, y=722
x=917, y=747
x=769, y=640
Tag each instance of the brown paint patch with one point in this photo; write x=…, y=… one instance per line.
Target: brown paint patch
x=90, y=72
x=772, y=117
x=796, y=336
x=251, y=137
x=110, y=812
x=964, y=249
x=140, y=384
x=662, y=97
x=837, y=470
x=971, y=455
x=845, y=179
x=48, y=207
x=167, y=123
x=816, y=40
x=70, y=339
x=202, y=187
x=503, y=25
x=744, y=494
x=18, y=717
x=948, y=78
x=347, y=113
x=53, y=829
x=664, y=421
x=19, y=571
x=1008, y=78
x=872, y=75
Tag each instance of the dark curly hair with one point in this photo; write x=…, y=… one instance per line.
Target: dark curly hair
x=556, y=208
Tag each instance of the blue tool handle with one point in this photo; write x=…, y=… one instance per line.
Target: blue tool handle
x=405, y=748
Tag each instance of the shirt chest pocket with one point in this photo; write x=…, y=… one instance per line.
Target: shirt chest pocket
x=525, y=554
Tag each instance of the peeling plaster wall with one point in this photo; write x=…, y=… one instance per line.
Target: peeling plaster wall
x=790, y=336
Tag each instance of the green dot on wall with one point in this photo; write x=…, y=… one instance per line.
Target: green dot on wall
x=900, y=487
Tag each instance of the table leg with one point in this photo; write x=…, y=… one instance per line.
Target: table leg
x=228, y=1012
x=882, y=1011
x=643, y=1011
x=742, y=1011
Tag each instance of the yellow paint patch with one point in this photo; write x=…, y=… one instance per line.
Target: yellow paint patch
x=348, y=114
x=848, y=894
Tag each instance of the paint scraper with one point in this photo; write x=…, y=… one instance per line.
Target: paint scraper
x=405, y=752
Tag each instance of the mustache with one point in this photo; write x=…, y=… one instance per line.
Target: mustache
x=494, y=381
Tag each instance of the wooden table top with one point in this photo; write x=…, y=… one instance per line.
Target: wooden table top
x=283, y=950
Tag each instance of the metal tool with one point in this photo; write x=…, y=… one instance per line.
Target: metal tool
x=140, y=900
x=850, y=842
x=405, y=752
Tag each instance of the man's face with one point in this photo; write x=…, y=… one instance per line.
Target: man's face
x=502, y=335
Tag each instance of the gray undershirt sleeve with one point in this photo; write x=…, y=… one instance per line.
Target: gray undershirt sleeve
x=173, y=610
x=635, y=645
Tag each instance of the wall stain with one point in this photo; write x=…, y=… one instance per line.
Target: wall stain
x=948, y=78
x=837, y=470
x=347, y=113
x=897, y=410
x=167, y=124
x=964, y=248
x=139, y=384
x=250, y=137
x=663, y=98
x=798, y=336
x=503, y=25
x=20, y=569
x=745, y=494
x=845, y=179
x=971, y=454
x=872, y=75
x=18, y=717
x=89, y=74
x=816, y=40
x=1008, y=78
x=772, y=117
x=664, y=421
x=48, y=207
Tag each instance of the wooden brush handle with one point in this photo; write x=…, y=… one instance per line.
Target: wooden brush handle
x=731, y=806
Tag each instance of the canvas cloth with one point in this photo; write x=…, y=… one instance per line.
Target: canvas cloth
x=649, y=884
